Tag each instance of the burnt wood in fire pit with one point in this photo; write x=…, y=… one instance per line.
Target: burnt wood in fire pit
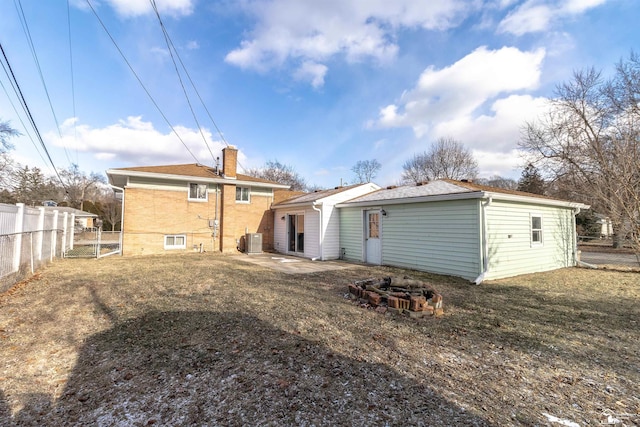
x=398, y=294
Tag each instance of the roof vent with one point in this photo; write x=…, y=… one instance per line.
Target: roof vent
x=418, y=184
x=391, y=187
x=466, y=180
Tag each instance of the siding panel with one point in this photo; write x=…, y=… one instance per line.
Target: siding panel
x=509, y=234
x=440, y=237
x=351, y=233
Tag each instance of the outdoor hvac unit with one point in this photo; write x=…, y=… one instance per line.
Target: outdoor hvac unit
x=253, y=242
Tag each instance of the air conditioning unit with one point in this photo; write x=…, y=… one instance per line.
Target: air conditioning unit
x=253, y=243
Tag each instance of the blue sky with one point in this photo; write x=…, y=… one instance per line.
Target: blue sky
x=314, y=84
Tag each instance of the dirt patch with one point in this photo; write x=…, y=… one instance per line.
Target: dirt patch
x=205, y=339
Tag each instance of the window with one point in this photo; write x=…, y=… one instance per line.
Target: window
x=175, y=241
x=242, y=194
x=374, y=225
x=198, y=192
x=536, y=230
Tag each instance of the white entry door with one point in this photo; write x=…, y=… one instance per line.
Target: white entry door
x=373, y=253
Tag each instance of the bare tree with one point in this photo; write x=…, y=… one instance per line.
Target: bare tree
x=79, y=187
x=366, y=170
x=6, y=132
x=589, y=143
x=275, y=171
x=6, y=162
x=499, y=182
x=30, y=186
x=446, y=158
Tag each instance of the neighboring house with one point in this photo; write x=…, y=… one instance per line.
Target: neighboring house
x=192, y=207
x=82, y=219
x=461, y=229
x=309, y=225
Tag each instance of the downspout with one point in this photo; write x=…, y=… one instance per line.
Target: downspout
x=484, y=243
x=121, y=217
x=313, y=206
x=576, y=260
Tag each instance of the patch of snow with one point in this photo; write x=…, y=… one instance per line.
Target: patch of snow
x=563, y=422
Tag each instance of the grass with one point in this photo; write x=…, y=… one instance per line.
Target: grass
x=209, y=339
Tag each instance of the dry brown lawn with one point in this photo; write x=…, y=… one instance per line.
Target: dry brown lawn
x=201, y=339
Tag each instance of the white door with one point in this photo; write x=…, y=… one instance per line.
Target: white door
x=372, y=237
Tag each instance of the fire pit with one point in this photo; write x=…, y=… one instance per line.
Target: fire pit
x=398, y=295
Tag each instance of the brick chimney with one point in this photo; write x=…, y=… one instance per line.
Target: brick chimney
x=229, y=161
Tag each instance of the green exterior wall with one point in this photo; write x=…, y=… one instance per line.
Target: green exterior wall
x=511, y=251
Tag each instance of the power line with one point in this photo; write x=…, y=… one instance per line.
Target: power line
x=167, y=39
x=73, y=88
x=153, y=101
x=25, y=28
x=29, y=115
x=24, y=126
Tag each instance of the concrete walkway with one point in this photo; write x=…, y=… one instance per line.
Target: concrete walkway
x=602, y=258
x=292, y=265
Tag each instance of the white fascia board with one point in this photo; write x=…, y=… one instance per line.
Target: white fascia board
x=466, y=195
x=296, y=205
x=187, y=178
x=536, y=200
x=404, y=200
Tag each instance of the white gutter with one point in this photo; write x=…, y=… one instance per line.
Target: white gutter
x=313, y=206
x=462, y=196
x=485, y=241
x=189, y=178
x=121, y=217
x=417, y=199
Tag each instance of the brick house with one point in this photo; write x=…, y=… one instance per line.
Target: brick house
x=193, y=207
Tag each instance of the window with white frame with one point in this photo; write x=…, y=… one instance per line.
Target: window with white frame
x=198, y=192
x=242, y=194
x=536, y=229
x=175, y=241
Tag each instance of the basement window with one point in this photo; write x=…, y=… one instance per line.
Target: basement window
x=178, y=241
x=536, y=230
x=242, y=195
x=198, y=192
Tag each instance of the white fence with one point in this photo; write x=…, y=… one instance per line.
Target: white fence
x=29, y=238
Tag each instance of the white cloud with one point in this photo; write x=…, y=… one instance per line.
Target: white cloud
x=498, y=131
x=454, y=93
x=312, y=72
x=537, y=15
x=192, y=45
x=133, y=8
x=312, y=31
x=136, y=142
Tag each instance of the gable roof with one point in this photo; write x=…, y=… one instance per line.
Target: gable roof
x=321, y=196
x=186, y=172
x=448, y=189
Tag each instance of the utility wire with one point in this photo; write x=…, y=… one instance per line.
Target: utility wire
x=27, y=32
x=167, y=39
x=24, y=126
x=31, y=120
x=195, y=89
x=73, y=87
x=153, y=101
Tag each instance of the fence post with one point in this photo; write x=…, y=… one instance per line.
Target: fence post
x=40, y=231
x=64, y=234
x=73, y=228
x=17, y=252
x=54, y=236
x=99, y=236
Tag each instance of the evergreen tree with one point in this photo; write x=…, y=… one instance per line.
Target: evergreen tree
x=531, y=181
